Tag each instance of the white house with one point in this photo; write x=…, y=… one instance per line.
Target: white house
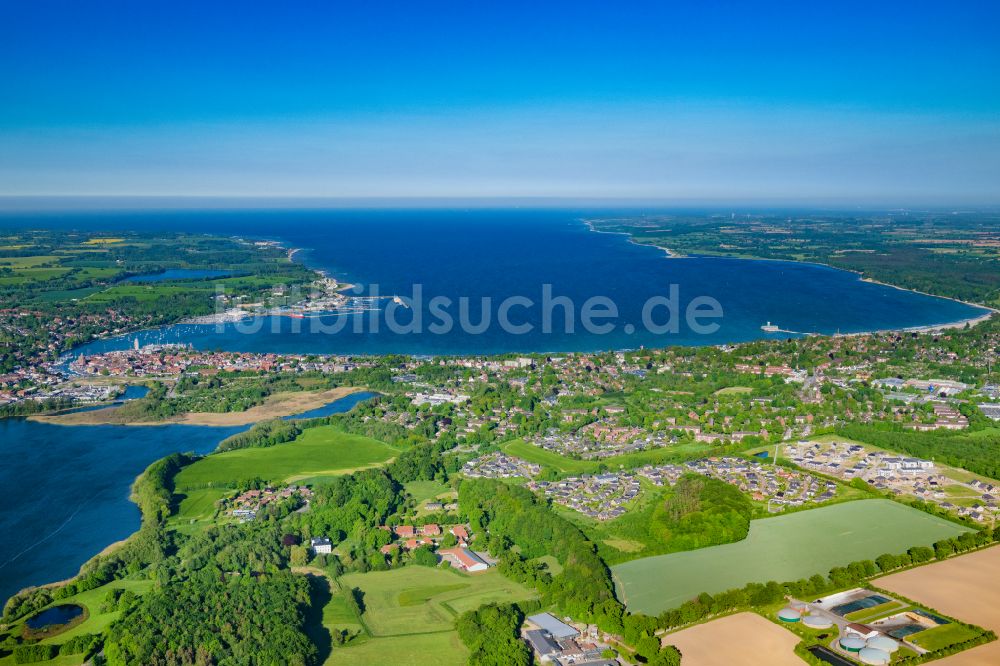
x=321, y=545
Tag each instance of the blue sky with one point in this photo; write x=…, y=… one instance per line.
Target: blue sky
x=852, y=102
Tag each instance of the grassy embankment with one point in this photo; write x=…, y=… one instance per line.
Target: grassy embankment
x=563, y=465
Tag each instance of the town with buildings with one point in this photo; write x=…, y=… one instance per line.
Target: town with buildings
x=941, y=485
x=249, y=503
x=599, y=496
x=776, y=485
x=600, y=440
x=500, y=466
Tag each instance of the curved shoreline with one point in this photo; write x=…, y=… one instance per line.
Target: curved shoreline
x=921, y=328
x=114, y=546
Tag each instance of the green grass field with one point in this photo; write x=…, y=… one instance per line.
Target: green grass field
x=564, y=465
x=196, y=508
x=442, y=648
x=942, y=636
x=540, y=456
x=141, y=292
x=410, y=614
x=417, y=600
x=734, y=390
x=552, y=565
x=422, y=491
x=321, y=451
x=780, y=548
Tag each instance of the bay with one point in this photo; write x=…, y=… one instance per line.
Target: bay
x=489, y=257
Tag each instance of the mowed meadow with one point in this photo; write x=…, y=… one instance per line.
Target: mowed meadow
x=318, y=452
x=782, y=548
x=409, y=614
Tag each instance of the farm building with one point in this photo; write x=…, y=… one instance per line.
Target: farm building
x=464, y=559
x=862, y=630
x=554, y=626
x=541, y=643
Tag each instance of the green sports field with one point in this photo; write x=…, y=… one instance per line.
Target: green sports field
x=782, y=548
x=321, y=451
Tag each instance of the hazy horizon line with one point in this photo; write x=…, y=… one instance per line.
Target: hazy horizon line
x=67, y=202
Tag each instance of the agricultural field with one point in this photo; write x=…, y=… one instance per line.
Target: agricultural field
x=785, y=547
x=735, y=640
x=966, y=587
x=417, y=606
x=322, y=451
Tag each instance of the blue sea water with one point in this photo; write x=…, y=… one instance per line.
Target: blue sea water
x=497, y=255
x=66, y=488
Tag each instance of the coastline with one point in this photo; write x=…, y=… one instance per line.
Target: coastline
x=671, y=254
x=279, y=405
x=923, y=328
x=114, y=546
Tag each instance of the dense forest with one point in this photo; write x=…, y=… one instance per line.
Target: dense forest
x=264, y=433
x=515, y=516
x=212, y=619
x=701, y=512
x=492, y=634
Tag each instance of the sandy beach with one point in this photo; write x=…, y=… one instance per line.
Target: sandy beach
x=275, y=406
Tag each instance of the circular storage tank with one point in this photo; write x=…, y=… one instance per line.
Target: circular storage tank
x=874, y=656
x=789, y=615
x=817, y=622
x=852, y=644
x=883, y=643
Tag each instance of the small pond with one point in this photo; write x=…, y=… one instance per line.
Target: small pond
x=54, y=616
